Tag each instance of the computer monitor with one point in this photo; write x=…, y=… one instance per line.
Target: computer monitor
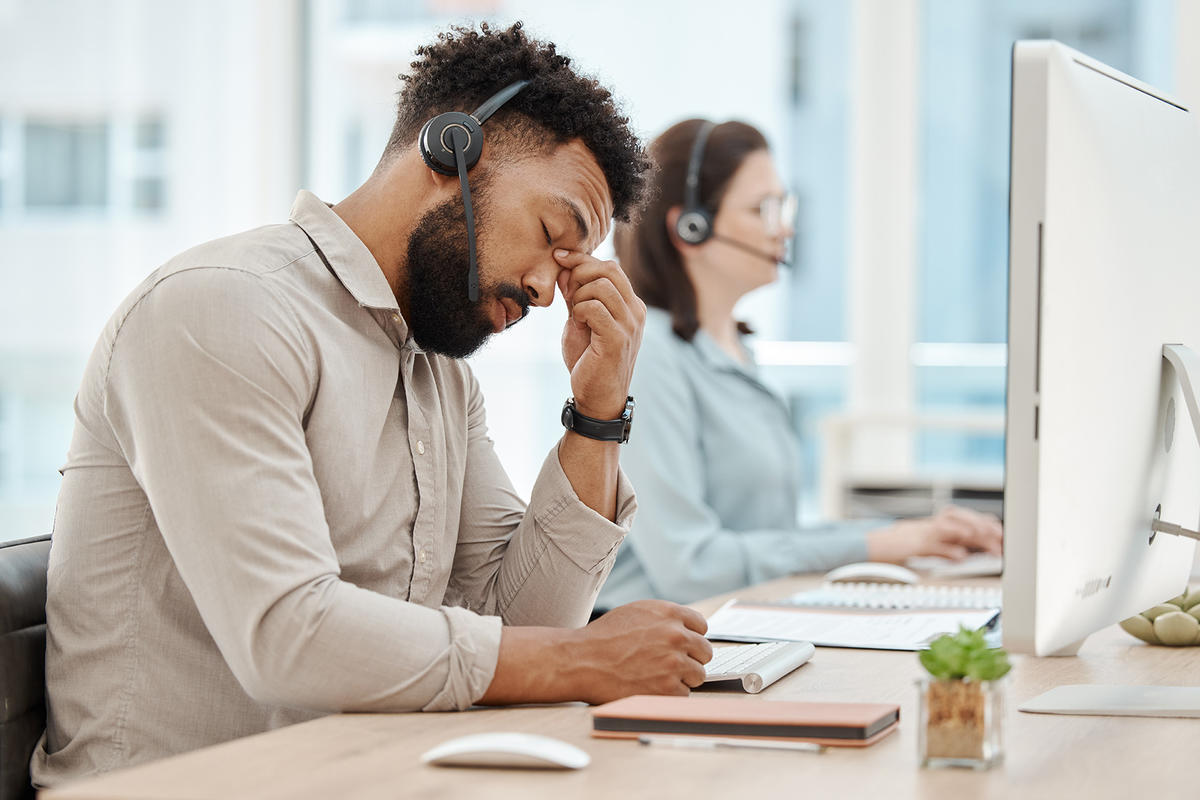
x=1104, y=270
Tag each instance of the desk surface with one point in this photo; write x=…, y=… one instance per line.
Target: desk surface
x=376, y=755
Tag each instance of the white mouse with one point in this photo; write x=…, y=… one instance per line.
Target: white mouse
x=504, y=749
x=872, y=572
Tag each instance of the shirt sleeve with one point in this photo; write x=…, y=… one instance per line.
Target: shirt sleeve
x=206, y=391
x=679, y=539
x=541, y=565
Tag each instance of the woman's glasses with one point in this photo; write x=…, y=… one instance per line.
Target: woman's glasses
x=778, y=212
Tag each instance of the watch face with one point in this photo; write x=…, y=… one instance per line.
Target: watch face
x=566, y=416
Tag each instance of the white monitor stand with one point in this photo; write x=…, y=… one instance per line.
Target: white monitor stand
x=1139, y=701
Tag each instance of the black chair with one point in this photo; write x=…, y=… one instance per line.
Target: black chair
x=22, y=660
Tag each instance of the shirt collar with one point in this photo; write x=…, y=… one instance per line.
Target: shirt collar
x=345, y=253
x=711, y=352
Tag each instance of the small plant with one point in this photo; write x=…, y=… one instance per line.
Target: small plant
x=962, y=704
x=964, y=655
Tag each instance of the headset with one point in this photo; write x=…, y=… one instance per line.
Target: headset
x=695, y=223
x=451, y=143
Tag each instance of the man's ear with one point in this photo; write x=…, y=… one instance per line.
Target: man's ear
x=437, y=182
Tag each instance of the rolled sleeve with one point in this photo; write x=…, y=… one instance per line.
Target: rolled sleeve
x=588, y=539
x=541, y=564
x=474, y=649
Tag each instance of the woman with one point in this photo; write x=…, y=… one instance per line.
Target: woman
x=714, y=460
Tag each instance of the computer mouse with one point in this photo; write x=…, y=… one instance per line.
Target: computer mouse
x=506, y=749
x=872, y=572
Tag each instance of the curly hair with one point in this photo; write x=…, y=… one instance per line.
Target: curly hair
x=466, y=66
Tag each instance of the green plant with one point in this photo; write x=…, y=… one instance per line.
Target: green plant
x=964, y=655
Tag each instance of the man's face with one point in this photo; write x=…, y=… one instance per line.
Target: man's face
x=524, y=210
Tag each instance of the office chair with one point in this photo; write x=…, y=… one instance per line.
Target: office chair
x=22, y=660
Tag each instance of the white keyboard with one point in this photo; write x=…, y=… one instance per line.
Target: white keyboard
x=757, y=666
x=897, y=596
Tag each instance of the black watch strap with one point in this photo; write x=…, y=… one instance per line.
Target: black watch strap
x=604, y=430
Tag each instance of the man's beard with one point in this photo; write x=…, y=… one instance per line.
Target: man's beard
x=440, y=314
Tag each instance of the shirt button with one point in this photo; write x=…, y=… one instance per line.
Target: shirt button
x=421, y=556
x=395, y=317
x=421, y=447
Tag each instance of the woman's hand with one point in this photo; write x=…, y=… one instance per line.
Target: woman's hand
x=952, y=533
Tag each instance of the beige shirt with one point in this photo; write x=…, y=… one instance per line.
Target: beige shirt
x=275, y=505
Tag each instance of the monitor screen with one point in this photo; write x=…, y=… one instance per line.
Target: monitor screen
x=1104, y=270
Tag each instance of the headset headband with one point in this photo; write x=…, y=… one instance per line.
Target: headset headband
x=493, y=103
x=691, y=188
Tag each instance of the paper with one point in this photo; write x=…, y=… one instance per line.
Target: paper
x=905, y=630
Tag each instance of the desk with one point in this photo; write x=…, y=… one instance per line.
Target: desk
x=376, y=755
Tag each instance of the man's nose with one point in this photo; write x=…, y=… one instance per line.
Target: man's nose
x=540, y=289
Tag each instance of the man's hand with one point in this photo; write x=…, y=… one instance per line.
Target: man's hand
x=602, y=335
x=647, y=647
x=952, y=533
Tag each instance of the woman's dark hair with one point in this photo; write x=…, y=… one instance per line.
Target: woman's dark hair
x=466, y=66
x=646, y=249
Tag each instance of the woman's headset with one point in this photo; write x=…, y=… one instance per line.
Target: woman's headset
x=695, y=224
x=451, y=143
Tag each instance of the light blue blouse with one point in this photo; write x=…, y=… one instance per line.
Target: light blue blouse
x=713, y=460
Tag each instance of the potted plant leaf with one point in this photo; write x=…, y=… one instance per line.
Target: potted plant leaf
x=962, y=701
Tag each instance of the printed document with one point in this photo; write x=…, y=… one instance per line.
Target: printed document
x=874, y=630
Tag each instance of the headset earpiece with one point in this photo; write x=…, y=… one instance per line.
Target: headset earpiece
x=436, y=145
x=695, y=223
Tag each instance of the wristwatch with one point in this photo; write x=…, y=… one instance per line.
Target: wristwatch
x=604, y=430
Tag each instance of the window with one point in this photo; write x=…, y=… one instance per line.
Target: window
x=964, y=90
x=66, y=165
x=114, y=164
x=4, y=161
x=149, y=168
x=385, y=11
x=801, y=348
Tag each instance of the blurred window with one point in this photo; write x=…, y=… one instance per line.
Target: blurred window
x=963, y=173
x=801, y=345
x=149, y=165
x=356, y=11
x=4, y=161
x=66, y=165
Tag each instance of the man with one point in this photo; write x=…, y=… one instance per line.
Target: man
x=281, y=499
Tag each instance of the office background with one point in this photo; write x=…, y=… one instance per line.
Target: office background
x=132, y=129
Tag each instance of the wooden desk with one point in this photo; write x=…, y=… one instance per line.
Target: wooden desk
x=376, y=755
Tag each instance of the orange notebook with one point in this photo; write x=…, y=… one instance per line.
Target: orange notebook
x=839, y=724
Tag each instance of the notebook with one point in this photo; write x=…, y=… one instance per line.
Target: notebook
x=839, y=724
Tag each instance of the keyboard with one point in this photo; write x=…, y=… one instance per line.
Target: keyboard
x=757, y=666
x=897, y=596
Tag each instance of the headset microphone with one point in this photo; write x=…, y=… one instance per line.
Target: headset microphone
x=754, y=251
x=451, y=143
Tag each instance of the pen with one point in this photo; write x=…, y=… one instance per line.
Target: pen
x=713, y=742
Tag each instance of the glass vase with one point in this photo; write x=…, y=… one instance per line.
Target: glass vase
x=961, y=723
